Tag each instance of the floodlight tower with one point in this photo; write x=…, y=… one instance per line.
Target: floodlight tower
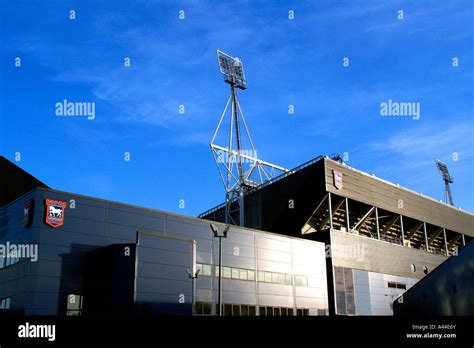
x=448, y=179
x=240, y=169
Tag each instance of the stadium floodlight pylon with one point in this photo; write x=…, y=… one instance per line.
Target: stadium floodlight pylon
x=448, y=179
x=239, y=167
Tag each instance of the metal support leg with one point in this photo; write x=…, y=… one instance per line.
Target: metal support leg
x=445, y=242
x=402, y=230
x=330, y=210
x=426, y=236
x=377, y=222
x=347, y=216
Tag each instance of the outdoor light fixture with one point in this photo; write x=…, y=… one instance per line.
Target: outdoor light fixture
x=193, y=277
x=215, y=230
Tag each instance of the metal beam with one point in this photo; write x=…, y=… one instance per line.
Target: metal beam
x=377, y=222
x=402, y=230
x=445, y=242
x=356, y=227
x=347, y=215
x=435, y=235
x=453, y=241
x=330, y=210
x=414, y=229
x=307, y=227
x=426, y=236
x=390, y=224
x=336, y=208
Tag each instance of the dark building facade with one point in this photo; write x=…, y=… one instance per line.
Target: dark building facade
x=382, y=237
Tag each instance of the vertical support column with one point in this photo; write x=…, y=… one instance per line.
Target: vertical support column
x=377, y=222
x=445, y=242
x=330, y=209
x=426, y=236
x=402, y=229
x=348, y=226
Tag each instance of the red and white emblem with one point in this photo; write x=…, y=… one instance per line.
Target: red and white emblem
x=55, y=212
x=337, y=179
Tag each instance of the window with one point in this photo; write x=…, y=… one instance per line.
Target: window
x=206, y=270
x=74, y=305
x=226, y=272
x=236, y=310
x=275, y=311
x=394, y=285
x=203, y=308
x=5, y=303
x=302, y=311
x=250, y=275
x=227, y=309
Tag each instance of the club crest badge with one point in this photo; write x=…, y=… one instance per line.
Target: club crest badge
x=55, y=212
x=338, y=183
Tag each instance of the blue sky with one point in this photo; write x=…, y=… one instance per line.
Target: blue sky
x=173, y=62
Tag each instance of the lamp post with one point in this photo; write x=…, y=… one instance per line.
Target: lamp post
x=193, y=277
x=215, y=230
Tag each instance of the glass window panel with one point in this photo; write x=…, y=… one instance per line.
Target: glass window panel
x=235, y=310
x=244, y=310
x=207, y=308
x=226, y=272
x=235, y=273
x=288, y=279
x=275, y=278
x=251, y=310
x=199, y=309
x=281, y=278
x=228, y=309
x=243, y=274
x=261, y=276
x=268, y=277
x=206, y=270
x=250, y=275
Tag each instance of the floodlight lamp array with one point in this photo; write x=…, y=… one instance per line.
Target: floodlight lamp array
x=232, y=69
